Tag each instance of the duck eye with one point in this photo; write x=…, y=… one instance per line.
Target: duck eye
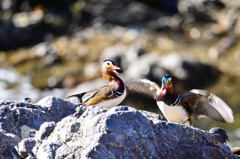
x=108, y=63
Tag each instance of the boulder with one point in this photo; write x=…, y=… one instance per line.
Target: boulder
x=19, y=121
x=124, y=132
x=64, y=130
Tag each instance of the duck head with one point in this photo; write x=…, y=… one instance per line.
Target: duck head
x=166, y=86
x=27, y=100
x=109, y=70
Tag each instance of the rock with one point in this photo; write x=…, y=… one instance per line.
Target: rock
x=7, y=143
x=80, y=109
x=24, y=148
x=19, y=120
x=27, y=131
x=151, y=115
x=58, y=107
x=14, y=115
x=123, y=132
x=94, y=132
x=45, y=130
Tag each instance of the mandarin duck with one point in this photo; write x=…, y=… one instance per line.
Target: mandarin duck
x=221, y=135
x=27, y=100
x=180, y=108
x=106, y=96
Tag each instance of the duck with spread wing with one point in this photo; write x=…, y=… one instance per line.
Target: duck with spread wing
x=179, y=108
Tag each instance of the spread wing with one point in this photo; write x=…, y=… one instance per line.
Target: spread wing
x=95, y=96
x=207, y=104
x=143, y=86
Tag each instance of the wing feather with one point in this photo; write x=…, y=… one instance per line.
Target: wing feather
x=95, y=96
x=144, y=87
x=203, y=103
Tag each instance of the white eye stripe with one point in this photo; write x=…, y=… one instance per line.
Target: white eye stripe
x=169, y=80
x=107, y=63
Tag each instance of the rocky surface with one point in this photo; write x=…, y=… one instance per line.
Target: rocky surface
x=21, y=120
x=56, y=128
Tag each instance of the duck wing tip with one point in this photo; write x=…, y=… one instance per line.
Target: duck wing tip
x=222, y=107
x=211, y=106
x=73, y=95
x=79, y=95
x=230, y=120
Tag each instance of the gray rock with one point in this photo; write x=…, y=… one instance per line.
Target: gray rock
x=13, y=115
x=124, y=132
x=45, y=130
x=79, y=110
x=57, y=107
x=18, y=120
x=152, y=116
x=7, y=142
x=25, y=147
x=27, y=131
x=93, y=132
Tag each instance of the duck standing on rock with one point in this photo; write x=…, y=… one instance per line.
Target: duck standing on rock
x=179, y=108
x=109, y=95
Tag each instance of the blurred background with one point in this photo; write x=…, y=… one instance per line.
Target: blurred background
x=56, y=47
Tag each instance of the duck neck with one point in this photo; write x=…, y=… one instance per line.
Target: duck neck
x=107, y=77
x=118, y=84
x=170, y=98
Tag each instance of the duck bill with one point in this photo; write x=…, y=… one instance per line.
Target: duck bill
x=163, y=91
x=115, y=69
